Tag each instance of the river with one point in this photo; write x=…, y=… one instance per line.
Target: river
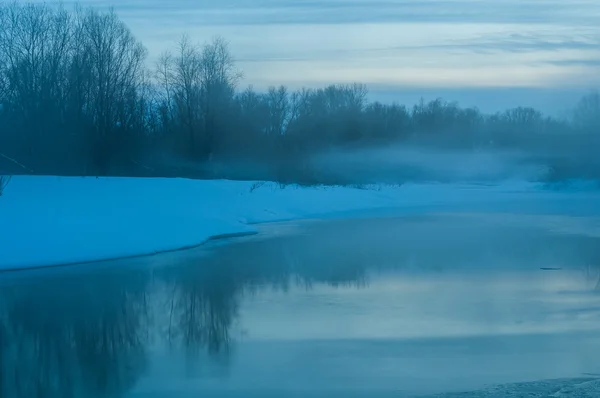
x=413, y=305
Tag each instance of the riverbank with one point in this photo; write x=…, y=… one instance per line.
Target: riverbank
x=50, y=220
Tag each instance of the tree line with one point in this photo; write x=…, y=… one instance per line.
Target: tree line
x=77, y=97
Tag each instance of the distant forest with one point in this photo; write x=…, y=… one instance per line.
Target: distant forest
x=78, y=97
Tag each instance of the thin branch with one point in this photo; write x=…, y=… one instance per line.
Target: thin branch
x=4, y=180
x=15, y=162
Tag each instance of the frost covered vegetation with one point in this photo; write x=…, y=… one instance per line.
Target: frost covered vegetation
x=79, y=97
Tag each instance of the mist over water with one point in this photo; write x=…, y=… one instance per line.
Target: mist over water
x=484, y=270
x=264, y=99
x=396, y=164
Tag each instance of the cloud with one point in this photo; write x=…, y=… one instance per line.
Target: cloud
x=396, y=43
x=227, y=12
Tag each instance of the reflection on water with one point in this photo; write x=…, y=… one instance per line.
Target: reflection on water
x=62, y=336
x=101, y=330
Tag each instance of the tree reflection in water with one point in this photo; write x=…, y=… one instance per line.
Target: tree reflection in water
x=73, y=335
x=204, y=297
x=92, y=330
x=89, y=331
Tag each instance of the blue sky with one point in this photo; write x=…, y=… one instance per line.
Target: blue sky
x=490, y=53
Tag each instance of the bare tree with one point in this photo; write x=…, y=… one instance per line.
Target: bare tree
x=279, y=110
x=114, y=60
x=35, y=46
x=186, y=73
x=164, y=94
x=219, y=79
x=587, y=113
x=77, y=98
x=198, y=84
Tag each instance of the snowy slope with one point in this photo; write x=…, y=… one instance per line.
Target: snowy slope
x=58, y=220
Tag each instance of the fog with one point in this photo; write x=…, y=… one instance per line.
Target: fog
x=439, y=295
x=188, y=113
x=399, y=163
x=396, y=164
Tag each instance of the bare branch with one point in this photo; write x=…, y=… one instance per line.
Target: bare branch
x=4, y=180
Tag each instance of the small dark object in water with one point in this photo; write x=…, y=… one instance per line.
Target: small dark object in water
x=550, y=269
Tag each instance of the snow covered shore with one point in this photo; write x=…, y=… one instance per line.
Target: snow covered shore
x=59, y=220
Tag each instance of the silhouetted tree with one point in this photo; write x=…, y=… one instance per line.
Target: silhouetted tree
x=76, y=97
x=114, y=61
x=587, y=113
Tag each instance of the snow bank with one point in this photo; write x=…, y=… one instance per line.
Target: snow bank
x=58, y=220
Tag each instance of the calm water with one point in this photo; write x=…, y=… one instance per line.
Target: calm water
x=382, y=307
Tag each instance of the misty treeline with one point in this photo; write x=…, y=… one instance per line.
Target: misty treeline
x=78, y=96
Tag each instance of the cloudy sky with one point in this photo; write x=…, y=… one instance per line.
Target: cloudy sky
x=489, y=53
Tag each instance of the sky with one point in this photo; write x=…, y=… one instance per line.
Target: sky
x=486, y=53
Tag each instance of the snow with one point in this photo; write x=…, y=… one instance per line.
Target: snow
x=50, y=220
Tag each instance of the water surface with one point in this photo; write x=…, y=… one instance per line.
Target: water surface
x=402, y=306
